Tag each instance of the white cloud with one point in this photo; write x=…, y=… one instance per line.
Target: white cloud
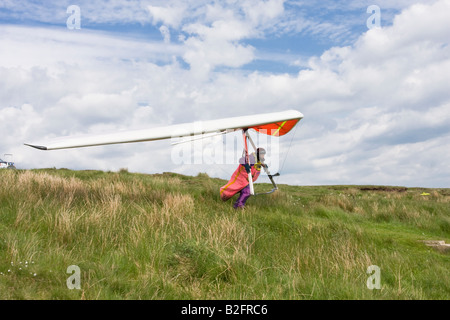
x=170, y=16
x=387, y=96
x=39, y=46
x=217, y=40
x=92, y=12
x=213, y=34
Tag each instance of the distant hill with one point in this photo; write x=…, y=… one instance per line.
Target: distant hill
x=169, y=236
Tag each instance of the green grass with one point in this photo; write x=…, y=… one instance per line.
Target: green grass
x=169, y=236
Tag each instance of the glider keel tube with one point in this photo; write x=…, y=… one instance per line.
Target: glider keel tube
x=276, y=123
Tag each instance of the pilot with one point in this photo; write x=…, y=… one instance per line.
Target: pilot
x=239, y=179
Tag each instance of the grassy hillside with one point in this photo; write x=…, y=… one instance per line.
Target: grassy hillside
x=168, y=236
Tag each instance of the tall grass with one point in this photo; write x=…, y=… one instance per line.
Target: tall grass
x=137, y=236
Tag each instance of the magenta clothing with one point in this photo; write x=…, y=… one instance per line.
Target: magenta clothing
x=243, y=196
x=239, y=183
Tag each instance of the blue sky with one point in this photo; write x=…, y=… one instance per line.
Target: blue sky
x=376, y=103
x=305, y=29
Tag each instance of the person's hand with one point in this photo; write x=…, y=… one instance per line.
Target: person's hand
x=258, y=166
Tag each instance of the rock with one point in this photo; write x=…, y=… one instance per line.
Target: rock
x=438, y=245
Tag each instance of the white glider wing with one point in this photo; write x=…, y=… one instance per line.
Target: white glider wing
x=276, y=123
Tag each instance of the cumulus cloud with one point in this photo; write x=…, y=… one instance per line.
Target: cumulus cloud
x=213, y=34
x=391, y=109
x=170, y=16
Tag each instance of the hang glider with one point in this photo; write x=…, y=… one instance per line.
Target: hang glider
x=275, y=124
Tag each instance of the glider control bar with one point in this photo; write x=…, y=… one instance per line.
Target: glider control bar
x=266, y=169
x=275, y=188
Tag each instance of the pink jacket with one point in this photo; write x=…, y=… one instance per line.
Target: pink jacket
x=239, y=179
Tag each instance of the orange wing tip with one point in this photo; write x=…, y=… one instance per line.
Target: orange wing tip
x=278, y=128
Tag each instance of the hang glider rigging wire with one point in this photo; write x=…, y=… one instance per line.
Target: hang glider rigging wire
x=271, y=176
x=289, y=149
